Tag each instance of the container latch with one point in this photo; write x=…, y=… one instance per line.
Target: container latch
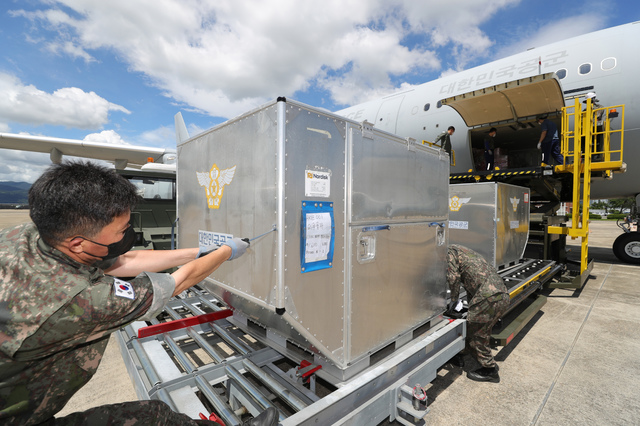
x=367, y=130
x=411, y=144
x=366, y=248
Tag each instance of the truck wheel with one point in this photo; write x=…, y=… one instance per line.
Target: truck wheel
x=627, y=247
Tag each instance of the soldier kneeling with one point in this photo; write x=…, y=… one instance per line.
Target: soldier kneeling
x=488, y=300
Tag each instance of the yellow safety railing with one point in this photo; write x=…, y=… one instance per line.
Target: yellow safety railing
x=452, y=160
x=587, y=147
x=606, y=144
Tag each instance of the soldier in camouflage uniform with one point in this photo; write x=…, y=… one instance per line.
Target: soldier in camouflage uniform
x=444, y=139
x=59, y=300
x=488, y=300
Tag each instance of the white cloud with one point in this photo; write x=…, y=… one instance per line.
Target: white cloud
x=164, y=137
x=69, y=106
x=22, y=166
x=106, y=136
x=70, y=49
x=57, y=21
x=455, y=22
x=555, y=31
x=227, y=56
x=378, y=56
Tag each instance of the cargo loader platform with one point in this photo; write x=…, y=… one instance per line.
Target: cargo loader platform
x=523, y=281
x=570, y=181
x=545, y=183
x=557, y=358
x=224, y=367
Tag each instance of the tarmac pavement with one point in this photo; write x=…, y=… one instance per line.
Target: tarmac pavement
x=576, y=362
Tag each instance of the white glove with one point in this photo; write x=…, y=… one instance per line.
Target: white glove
x=203, y=251
x=238, y=247
x=539, y=145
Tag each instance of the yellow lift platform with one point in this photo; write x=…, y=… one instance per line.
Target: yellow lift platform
x=602, y=155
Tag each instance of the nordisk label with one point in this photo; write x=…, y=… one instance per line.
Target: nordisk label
x=317, y=184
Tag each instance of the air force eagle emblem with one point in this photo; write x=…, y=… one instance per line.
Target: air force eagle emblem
x=456, y=202
x=214, y=182
x=514, y=202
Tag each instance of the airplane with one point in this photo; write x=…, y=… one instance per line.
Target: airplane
x=603, y=62
x=151, y=170
x=122, y=156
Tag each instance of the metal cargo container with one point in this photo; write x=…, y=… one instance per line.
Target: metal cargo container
x=491, y=218
x=357, y=259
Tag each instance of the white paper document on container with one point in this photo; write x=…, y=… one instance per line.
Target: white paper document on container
x=318, y=238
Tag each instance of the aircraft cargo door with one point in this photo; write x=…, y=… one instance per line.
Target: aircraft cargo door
x=511, y=108
x=387, y=116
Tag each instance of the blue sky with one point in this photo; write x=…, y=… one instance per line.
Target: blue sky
x=118, y=71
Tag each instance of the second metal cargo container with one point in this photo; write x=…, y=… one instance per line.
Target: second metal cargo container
x=491, y=218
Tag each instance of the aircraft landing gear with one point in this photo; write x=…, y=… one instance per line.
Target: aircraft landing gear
x=627, y=247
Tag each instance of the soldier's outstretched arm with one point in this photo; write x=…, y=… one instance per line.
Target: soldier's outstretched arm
x=135, y=262
x=197, y=270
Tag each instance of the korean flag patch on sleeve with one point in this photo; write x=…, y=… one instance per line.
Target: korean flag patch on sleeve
x=123, y=289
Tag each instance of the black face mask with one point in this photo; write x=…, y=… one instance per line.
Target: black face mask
x=117, y=248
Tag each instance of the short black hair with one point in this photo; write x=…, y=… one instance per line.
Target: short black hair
x=452, y=128
x=493, y=129
x=541, y=117
x=78, y=198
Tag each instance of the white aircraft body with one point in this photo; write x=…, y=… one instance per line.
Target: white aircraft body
x=605, y=62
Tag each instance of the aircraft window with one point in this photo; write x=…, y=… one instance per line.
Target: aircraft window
x=154, y=188
x=439, y=104
x=427, y=106
x=561, y=73
x=584, y=69
x=608, y=64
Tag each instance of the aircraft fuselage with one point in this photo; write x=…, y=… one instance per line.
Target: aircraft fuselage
x=603, y=62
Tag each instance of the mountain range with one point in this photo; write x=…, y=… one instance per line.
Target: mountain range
x=14, y=192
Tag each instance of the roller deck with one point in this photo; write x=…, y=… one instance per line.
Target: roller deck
x=224, y=367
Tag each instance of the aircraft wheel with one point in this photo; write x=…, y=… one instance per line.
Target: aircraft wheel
x=627, y=247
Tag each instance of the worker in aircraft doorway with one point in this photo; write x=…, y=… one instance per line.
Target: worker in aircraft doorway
x=549, y=142
x=489, y=148
x=488, y=300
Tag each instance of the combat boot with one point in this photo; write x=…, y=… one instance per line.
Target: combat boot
x=485, y=374
x=268, y=417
